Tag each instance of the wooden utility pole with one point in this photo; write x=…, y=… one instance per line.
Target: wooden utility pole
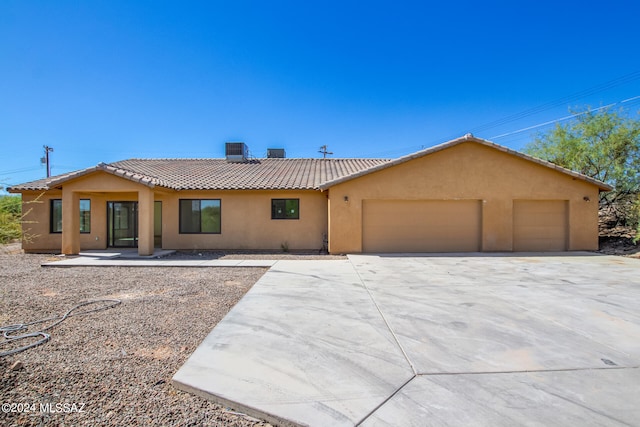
x=47, y=150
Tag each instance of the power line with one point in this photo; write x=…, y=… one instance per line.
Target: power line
x=560, y=101
x=571, y=116
x=58, y=167
x=19, y=170
x=630, y=101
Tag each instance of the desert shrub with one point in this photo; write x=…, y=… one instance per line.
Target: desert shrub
x=10, y=218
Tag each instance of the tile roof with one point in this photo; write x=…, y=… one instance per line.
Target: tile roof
x=219, y=174
x=265, y=174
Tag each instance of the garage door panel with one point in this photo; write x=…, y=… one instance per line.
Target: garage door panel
x=540, y=225
x=421, y=225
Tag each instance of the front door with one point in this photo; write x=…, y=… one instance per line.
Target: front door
x=122, y=224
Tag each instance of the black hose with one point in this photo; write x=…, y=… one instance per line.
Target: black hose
x=8, y=331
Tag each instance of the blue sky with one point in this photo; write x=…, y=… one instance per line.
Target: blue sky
x=101, y=81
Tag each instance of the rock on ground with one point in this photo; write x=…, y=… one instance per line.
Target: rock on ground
x=114, y=365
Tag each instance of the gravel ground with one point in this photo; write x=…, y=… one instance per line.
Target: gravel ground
x=116, y=364
x=297, y=255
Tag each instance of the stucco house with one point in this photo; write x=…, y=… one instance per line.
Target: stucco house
x=465, y=195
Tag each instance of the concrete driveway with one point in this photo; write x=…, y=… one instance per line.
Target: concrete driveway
x=431, y=340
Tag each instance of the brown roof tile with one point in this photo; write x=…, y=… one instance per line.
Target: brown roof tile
x=263, y=174
x=219, y=174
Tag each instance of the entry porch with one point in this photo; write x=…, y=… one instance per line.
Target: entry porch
x=120, y=218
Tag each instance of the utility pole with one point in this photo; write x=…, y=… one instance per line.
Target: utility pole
x=324, y=151
x=47, y=150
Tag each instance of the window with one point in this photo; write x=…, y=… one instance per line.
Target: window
x=200, y=216
x=85, y=216
x=285, y=208
x=56, y=216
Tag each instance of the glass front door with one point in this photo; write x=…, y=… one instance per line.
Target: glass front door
x=122, y=224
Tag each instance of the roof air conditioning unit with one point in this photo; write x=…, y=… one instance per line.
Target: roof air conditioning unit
x=236, y=152
x=275, y=153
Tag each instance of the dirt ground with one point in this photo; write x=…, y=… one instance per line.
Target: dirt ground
x=618, y=240
x=112, y=367
x=623, y=246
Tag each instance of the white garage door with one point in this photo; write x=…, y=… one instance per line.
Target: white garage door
x=540, y=225
x=421, y=225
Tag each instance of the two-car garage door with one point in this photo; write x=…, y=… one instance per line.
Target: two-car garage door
x=456, y=225
x=421, y=225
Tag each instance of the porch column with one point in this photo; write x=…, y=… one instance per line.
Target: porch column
x=70, y=222
x=145, y=222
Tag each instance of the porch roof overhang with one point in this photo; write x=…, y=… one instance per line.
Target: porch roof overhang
x=58, y=181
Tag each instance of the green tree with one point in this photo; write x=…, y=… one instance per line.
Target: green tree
x=604, y=145
x=10, y=217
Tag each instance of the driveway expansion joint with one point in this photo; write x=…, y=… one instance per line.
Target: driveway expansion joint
x=391, y=396
x=386, y=322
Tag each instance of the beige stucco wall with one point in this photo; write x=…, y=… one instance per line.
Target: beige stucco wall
x=246, y=221
x=246, y=217
x=35, y=227
x=466, y=171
